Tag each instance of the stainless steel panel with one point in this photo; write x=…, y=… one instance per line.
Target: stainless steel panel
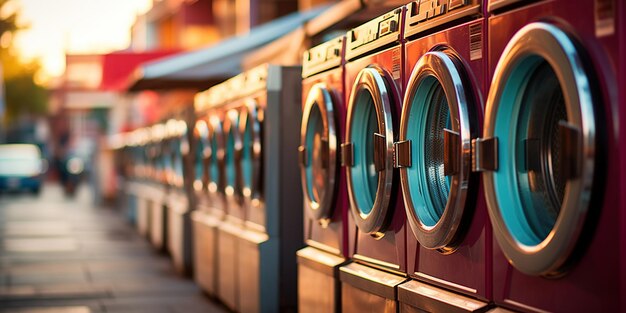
x=317, y=292
x=320, y=261
x=205, y=230
x=380, y=283
x=260, y=279
x=357, y=300
x=179, y=231
x=416, y=296
x=143, y=216
x=227, y=256
x=157, y=223
x=318, y=282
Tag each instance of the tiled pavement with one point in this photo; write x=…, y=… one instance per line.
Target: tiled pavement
x=64, y=255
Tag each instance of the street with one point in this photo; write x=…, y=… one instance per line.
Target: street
x=65, y=255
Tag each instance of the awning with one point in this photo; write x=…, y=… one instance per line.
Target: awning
x=336, y=20
x=117, y=66
x=202, y=68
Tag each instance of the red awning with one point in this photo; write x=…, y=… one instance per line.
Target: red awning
x=118, y=66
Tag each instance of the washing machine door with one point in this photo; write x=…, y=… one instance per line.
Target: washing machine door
x=232, y=156
x=318, y=153
x=434, y=151
x=181, y=153
x=368, y=151
x=215, y=157
x=251, y=152
x=540, y=123
x=201, y=156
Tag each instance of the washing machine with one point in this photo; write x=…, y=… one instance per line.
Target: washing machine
x=208, y=188
x=157, y=189
x=449, y=242
x=178, y=206
x=323, y=182
x=145, y=174
x=550, y=155
x=269, y=115
x=377, y=220
x=232, y=226
x=124, y=146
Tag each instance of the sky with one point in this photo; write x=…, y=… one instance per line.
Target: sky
x=74, y=26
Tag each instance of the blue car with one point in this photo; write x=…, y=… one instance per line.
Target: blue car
x=21, y=167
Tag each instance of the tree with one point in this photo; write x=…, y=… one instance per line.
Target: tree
x=23, y=96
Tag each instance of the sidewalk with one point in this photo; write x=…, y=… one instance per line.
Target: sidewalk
x=64, y=255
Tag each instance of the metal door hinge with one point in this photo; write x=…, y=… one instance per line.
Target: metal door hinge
x=302, y=156
x=380, y=152
x=485, y=154
x=402, y=154
x=325, y=150
x=347, y=152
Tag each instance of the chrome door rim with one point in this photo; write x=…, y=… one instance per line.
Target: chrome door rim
x=215, y=186
x=446, y=70
x=374, y=81
x=319, y=96
x=232, y=187
x=249, y=115
x=555, y=47
x=203, y=151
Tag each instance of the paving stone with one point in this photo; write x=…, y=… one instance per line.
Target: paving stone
x=58, y=309
x=39, y=244
x=64, y=255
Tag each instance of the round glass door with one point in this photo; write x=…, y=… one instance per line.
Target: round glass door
x=201, y=155
x=215, y=156
x=541, y=110
x=368, y=153
x=318, y=152
x=251, y=153
x=435, y=134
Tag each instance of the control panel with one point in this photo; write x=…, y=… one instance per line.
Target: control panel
x=323, y=56
x=255, y=79
x=424, y=15
x=379, y=32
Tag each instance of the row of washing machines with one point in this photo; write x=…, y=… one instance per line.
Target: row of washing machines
x=447, y=156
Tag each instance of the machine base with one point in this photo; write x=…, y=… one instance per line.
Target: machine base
x=158, y=226
x=415, y=296
x=205, y=229
x=179, y=240
x=143, y=216
x=319, y=289
x=259, y=273
x=227, y=259
x=365, y=289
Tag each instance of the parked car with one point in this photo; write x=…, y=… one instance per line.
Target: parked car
x=21, y=167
